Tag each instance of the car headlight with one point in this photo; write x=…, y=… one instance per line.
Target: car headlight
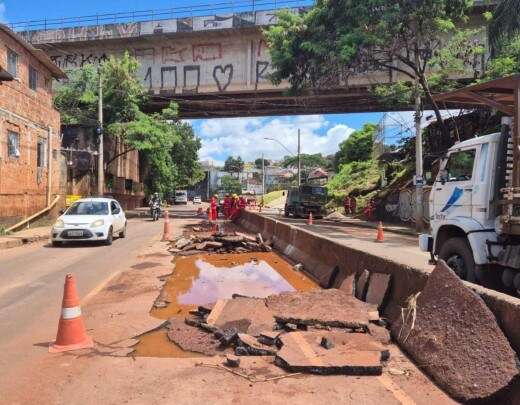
x=97, y=224
x=59, y=224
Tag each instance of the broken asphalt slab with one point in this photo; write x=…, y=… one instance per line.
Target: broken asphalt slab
x=347, y=353
x=456, y=339
x=321, y=307
x=247, y=315
x=192, y=339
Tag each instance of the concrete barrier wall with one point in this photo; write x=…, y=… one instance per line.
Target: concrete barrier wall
x=321, y=255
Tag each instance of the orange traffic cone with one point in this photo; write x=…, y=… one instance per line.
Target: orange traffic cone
x=167, y=227
x=380, y=234
x=309, y=220
x=71, y=328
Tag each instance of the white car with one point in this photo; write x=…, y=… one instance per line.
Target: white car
x=197, y=200
x=90, y=220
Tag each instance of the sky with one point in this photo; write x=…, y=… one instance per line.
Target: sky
x=221, y=137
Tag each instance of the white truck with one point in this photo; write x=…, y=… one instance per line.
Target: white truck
x=475, y=200
x=181, y=197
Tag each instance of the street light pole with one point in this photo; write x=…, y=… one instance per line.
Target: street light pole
x=419, y=180
x=101, y=164
x=299, y=161
x=263, y=177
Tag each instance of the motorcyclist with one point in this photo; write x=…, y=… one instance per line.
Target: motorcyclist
x=155, y=203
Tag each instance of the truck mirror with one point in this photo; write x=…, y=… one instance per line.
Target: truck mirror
x=443, y=176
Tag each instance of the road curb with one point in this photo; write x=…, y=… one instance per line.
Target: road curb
x=15, y=241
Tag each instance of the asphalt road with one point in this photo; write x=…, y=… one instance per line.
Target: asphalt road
x=31, y=287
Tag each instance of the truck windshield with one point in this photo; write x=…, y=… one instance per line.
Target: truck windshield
x=460, y=165
x=88, y=208
x=314, y=190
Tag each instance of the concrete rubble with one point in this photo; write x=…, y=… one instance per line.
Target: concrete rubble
x=450, y=331
x=246, y=326
x=346, y=353
x=218, y=242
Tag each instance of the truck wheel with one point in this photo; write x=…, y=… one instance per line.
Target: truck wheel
x=458, y=256
x=516, y=283
x=508, y=276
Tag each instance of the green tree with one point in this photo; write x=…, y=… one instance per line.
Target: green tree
x=185, y=155
x=357, y=147
x=337, y=38
x=506, y=60
x=504, y=25
x=258, y=163
x=167, y=146
x=230, y=185
x=307, y=161
x=234, y=165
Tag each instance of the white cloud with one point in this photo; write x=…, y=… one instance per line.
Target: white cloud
x=3, y=20
x=246, y=137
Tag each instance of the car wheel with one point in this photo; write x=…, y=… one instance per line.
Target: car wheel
x=122, y=234
x=458, y=256
x=56, y=243
x=110, y=237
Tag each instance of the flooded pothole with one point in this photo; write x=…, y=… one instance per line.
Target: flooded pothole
x=205, y=278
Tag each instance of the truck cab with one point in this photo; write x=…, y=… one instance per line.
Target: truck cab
x=464, y=205
x=306, y=199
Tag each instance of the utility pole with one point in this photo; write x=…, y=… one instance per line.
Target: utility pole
x=101, y=164
x=419, y=179
x=263, y=177
x=299, y=161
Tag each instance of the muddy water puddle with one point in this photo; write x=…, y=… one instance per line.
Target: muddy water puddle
x=203, y=279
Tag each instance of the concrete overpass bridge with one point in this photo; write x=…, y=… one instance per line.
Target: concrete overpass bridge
x=213, y=65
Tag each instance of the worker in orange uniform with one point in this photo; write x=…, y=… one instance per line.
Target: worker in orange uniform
x=347, y=205
x=213, y=209
x=242, y=203
x=234, y=207
x=227, y=206
x=353, y=205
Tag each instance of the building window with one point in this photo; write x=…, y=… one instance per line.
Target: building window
x=40, y=153
x=13, y=144
x=33, y=78
x=12, y=62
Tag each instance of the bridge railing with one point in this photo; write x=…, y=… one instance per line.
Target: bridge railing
x=228, y=7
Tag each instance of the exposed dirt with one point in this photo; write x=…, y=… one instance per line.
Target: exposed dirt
x=205, y=278
x=456, y=339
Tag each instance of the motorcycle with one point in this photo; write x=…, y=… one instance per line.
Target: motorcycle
x=155, y=211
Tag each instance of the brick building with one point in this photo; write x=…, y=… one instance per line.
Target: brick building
x=29, y=129
x=78, y=166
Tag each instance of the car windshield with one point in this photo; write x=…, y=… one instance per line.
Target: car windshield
x=88, y=208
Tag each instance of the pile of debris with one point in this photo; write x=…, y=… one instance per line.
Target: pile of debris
x=318, y=331
x=234, y=242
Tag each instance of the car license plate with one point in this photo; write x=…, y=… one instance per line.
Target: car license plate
x=75, y=233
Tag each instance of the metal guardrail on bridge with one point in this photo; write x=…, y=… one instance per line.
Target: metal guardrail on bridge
x=229, y=7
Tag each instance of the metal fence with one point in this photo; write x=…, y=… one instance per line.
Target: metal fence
x=230, y=7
